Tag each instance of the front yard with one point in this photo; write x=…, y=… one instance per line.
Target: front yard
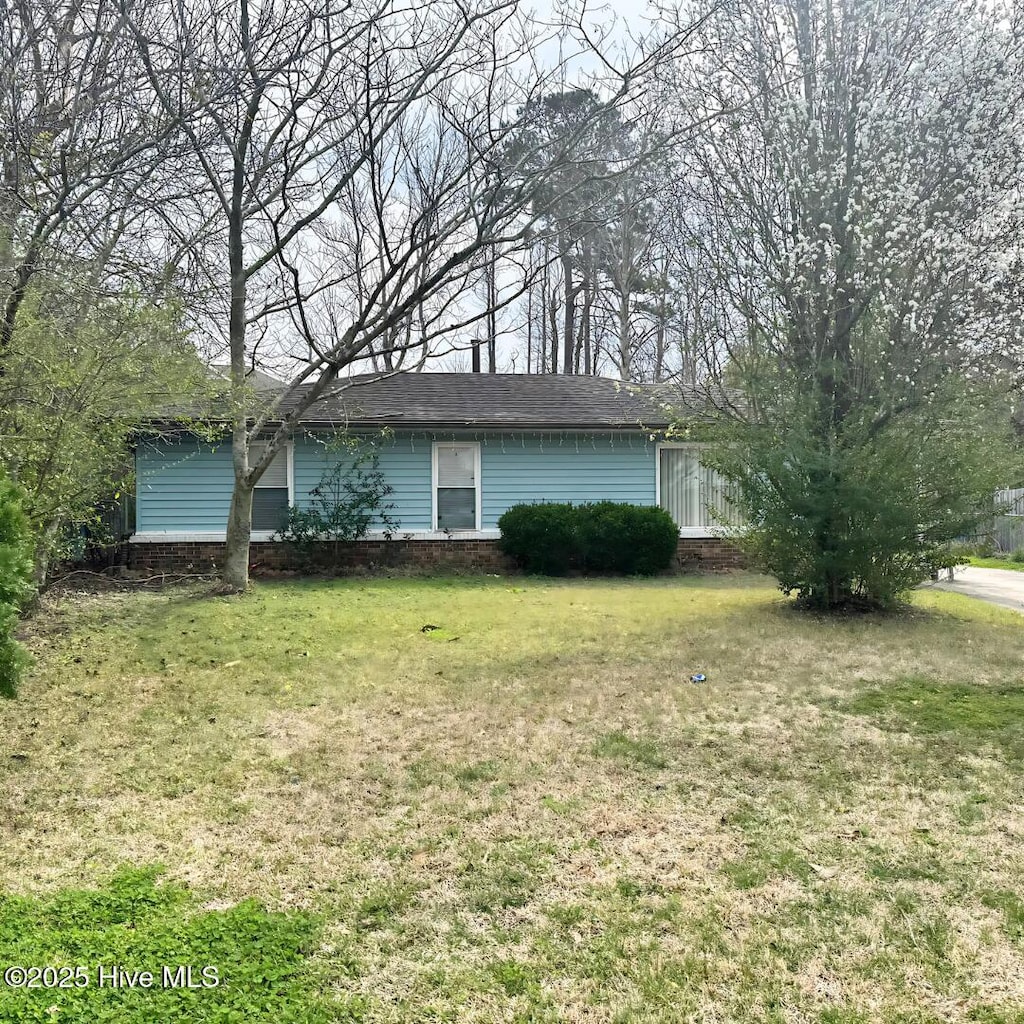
x=504, y=800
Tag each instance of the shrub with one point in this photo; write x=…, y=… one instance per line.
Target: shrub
x=614, y=537
x=602, y=537
x=976, y=547
x=15, y=582
x=854, y=514
x=343, y=506
x=958, y=553
x=540, y=538
x=984, y=547
x=1017, y=555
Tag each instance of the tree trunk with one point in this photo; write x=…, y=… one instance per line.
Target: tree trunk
x=529, y=327
x=588, y=303
x=542, y=355
x=43, y=555
x=235, y=574
x=568, y=305
x=568, y=313
x=661, y=332
x=553, y=301
x=492, y=313
x=624, y=310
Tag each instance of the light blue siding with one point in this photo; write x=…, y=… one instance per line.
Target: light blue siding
x=404, y=461
x=185, y=486
x=182, y=486
x=564, y=467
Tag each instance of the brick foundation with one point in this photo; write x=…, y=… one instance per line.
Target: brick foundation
x=267, y=556
x=707, y=554
x=693, y=555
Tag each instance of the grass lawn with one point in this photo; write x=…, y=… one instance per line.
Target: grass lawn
x=996, y=563
x=528, y=813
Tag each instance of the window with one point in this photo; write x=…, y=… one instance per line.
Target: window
x=457, y=486
x=271, y=496
x=695, y=496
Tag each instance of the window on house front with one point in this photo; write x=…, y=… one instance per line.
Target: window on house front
x=696, y=497
x=270, y=497
x=456, y=486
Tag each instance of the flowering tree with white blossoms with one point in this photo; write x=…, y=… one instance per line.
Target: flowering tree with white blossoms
x=857, y=220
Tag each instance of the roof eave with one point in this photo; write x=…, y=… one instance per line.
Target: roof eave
x=479, y=425
x=171, y=423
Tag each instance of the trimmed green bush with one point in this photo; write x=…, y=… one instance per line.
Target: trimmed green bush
x=618, y=538
x=601, y=537
x=541, y=538
x=15, y=582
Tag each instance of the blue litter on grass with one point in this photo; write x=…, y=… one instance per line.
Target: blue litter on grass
x=698, y=677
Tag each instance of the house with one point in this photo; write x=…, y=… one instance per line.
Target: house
x=457, y=450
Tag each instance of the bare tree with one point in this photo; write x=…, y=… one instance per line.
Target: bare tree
x=570, y=204
x=356, y=156
x=83, y=152
x=626, y=247
x=606, y=242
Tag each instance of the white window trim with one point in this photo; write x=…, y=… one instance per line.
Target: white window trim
x=475, y=445
x=695, y=532
x=289, y=457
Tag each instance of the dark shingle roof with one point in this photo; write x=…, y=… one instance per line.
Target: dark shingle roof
x=489, y=400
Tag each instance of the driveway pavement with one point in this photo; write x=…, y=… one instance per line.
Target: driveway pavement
x=1000, y=586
